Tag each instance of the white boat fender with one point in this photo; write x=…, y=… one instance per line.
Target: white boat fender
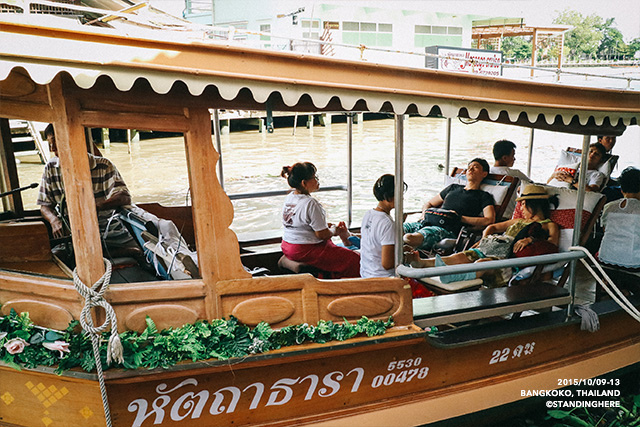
x=590, y=321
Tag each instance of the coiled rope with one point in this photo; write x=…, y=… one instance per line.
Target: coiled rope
x=93, y=297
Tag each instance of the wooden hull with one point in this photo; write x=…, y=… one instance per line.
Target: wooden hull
x=403, y=378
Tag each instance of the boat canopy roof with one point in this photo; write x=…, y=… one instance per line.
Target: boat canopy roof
x=236, y=77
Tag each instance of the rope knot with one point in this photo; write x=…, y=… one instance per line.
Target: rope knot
x=94, y=297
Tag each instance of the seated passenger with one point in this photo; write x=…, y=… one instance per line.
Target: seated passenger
x=621, y=222
x=535, y=234
x=504, y=153
x=307, y=236
x=472, y=205
x=608, y=142
x=377, y=243
x=109, y=191
x=612, y=189
x=595, y=178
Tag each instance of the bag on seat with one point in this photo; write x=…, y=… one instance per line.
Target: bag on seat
x=444, y=218
x=496, y=245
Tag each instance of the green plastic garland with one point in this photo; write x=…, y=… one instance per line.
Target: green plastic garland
x=23, y=344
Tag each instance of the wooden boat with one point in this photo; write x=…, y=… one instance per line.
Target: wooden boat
x=95, y=78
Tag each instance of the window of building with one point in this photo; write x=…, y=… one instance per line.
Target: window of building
x=367, y=33
x=265, y=28
x=311, y=28
x=431, y=35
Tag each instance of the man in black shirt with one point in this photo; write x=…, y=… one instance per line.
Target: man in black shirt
x=473, y=205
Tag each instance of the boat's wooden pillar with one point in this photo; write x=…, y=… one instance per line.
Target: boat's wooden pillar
x=72, y=152
x=577, y=222
x=8, y=172
x=218, y=247
x=216, y=134
x=530, y=155
x=349, y=169
x=399, y=187
x=447, y=158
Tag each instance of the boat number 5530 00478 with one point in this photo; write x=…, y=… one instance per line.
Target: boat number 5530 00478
x=406, y=373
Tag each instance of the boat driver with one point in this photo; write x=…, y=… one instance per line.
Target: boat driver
x=109, y=191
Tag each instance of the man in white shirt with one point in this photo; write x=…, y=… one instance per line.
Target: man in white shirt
x=504, y=153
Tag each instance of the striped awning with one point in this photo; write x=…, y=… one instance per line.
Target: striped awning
x=295, y=81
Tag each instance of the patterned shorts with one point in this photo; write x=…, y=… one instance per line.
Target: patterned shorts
x=431, y=234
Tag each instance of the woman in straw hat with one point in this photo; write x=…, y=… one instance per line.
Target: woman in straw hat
x=532, y=234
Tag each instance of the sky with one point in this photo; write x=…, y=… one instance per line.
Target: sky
x=535, y=12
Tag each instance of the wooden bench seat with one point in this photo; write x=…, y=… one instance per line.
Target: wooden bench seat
x=24, y=247
x=485, y=303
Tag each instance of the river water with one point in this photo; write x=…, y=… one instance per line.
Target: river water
x=155, y=170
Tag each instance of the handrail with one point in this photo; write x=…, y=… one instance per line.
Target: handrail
x=418, y=273
x=240, y=196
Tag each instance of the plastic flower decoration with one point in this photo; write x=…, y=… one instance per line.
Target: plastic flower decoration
x=61, y=346
x=15, y=345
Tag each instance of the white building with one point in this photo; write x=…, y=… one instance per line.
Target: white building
x=380, y=27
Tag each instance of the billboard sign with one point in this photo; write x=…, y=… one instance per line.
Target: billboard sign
x=476, y=61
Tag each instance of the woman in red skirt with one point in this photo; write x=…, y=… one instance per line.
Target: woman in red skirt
x=307, y=235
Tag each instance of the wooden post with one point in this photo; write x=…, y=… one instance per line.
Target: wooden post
x=76, y=176
x=106, y=142
x=534, y=49
x=212, y=210
x=561, y=53
x=8, y=171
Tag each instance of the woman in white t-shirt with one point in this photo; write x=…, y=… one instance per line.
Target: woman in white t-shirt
x=307, y=235
x=377, y=241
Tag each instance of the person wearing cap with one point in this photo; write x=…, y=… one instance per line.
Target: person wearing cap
x=534, y=227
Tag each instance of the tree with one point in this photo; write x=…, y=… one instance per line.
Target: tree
x=612, y=43
x=584, y=39
x=633, y=47
x=517, y=48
